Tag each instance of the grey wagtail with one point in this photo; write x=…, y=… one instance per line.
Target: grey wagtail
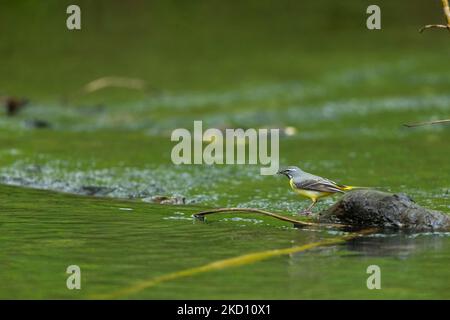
x=311, y=186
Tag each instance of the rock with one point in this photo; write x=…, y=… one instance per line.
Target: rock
x=13, y=105
x=95, y=191
x=37, y=124
x=169, y=200
x=371, y=208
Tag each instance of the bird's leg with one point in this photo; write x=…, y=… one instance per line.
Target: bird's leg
x=308, y=211
x=446, y=8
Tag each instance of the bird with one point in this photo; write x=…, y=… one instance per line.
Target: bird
x=312, y=186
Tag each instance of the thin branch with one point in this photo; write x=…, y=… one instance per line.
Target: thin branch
x=410, y=125
x=202, y=214
x=111, y=82
x=118, y=82
x=224, y=264
x=446, y=8
x=434, y=26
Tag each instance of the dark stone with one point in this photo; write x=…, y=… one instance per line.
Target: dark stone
x=38, y=124
x=371, y=208
x=95, y=191
x=169, y=200
x=13, y=105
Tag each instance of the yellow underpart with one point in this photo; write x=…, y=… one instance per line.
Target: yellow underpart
x=313, y=195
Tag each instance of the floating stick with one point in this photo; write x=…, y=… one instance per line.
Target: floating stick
x=118, y=82
x=202, y=214
x=228, y=263
x=410, y=125
x=446, y=8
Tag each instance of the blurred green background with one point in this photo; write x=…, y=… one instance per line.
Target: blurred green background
x=310, y=65
x=205, y=45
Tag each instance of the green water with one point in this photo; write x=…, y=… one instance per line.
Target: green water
x=79, y=192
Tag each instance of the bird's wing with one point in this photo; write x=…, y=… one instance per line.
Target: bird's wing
x=322, y=185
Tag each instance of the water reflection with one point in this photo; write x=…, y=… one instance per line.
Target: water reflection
x=398, y=244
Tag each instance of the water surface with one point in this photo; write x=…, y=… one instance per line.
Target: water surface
x=80, y=191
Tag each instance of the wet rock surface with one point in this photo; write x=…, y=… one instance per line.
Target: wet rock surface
x=169, y=200
x=372, y=208
x=95, y=191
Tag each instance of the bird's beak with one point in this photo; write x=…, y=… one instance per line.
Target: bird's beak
x=280, y=172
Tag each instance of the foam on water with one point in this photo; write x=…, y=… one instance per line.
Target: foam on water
x=264, y=105
x=193, y=182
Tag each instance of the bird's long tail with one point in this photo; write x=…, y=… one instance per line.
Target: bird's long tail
x=348, y=188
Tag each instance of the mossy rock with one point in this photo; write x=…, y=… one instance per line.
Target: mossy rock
x=372, y=208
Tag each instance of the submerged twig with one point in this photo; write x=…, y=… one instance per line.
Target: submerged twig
x=118, y=82
x=410, y=125
x=446, y=8
x=110, y=82
x=202, y=214
x=230, y=262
